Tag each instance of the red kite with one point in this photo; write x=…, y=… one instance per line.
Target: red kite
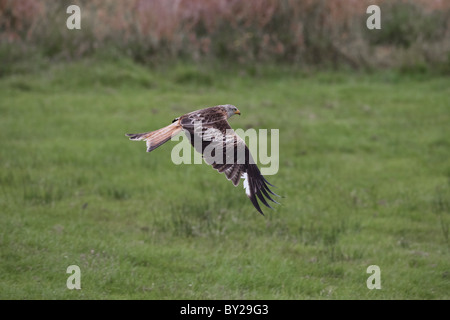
x=211, y=135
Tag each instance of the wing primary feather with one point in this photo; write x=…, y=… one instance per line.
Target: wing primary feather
x=268, y=196
x=268, y=182
x=261, y=197
x=267, y=188
x=255, y=203
x=253, y=190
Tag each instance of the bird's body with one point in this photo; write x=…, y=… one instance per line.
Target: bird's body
x=211, y=135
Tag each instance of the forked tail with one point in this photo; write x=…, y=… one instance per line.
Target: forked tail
x=156, y=138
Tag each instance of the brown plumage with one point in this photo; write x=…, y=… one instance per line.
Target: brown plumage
x=209, y=131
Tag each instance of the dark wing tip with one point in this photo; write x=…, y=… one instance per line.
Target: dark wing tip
x=265, y=180
x=258, y=188
x=255, y=203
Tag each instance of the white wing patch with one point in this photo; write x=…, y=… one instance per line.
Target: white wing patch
x=246, y=186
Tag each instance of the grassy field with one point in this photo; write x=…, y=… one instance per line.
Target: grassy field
x=364, y=174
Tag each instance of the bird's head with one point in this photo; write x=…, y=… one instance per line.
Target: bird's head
x=231, y=110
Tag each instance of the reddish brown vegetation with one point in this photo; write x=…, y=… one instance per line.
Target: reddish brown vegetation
x=329, y=32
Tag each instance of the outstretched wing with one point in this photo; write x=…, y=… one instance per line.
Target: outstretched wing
x=226, y=152
x=208, y=116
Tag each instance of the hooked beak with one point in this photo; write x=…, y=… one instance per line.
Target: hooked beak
x=237, y=112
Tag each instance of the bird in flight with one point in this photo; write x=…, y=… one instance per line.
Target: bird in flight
x=210, y=134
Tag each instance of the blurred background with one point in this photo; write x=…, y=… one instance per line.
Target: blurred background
x=415, y=34
x=363, y=118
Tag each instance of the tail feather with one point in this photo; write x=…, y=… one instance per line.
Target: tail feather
x=156, y=138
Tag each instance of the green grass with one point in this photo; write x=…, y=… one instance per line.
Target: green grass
x=364, y=174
